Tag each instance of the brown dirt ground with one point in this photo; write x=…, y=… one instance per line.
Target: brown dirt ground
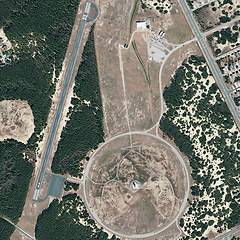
x=107, y=35
x=16, y=120
x=175, y=60
x=143, y=97
x=120, y=205
x=174, y=24
x=32, y=209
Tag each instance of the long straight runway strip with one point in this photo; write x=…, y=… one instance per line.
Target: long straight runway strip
x=62, y=100
x=211, y=62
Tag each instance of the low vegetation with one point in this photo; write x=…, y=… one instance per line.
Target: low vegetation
x=84, y=130
x=68, y=219
x=134, y=11
x=199, y=122
x=6, y=229
x=147, y=76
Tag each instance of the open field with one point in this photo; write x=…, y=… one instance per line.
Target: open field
x=142, y=85
x=107, y=32
x=136, y=190
x=16, y=120
x=173, y=23
x=217, y=12
x=130, y=91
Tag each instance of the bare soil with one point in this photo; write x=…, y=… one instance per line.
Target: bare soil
x=142, y=94
x=33, y=209
x=161, y=178
x=107, y=34
x=16, y=120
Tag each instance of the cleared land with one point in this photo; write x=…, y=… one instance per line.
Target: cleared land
x=16, y=120
x=138, y=190
x=142, y=85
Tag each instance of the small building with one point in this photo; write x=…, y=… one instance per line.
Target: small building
x=142, y=25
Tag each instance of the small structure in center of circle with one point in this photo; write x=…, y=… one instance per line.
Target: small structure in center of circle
x=135, y=185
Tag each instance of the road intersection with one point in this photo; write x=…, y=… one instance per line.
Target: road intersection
x=216, y=73
x=211, y=62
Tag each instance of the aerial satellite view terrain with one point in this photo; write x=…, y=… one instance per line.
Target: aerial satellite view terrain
x=120, y=119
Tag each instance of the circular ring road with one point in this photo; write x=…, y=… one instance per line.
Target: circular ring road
x=150, y=234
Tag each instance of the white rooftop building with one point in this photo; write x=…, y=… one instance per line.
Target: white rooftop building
x=142, y=25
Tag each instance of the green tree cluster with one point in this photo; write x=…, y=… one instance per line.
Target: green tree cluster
x=6, y=229
x=209, y=113
x=15, y=174
x=70, y=186
x=61, y=220
x=84, y=130
x=39, y=31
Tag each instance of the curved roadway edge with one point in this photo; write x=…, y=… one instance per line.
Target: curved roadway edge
x=96, y=14
x=136, y=235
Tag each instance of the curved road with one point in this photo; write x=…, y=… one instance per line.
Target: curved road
x=135, y=235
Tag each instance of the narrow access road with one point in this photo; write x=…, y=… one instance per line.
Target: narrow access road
x=224, y=25
x=19, y=228
x=62, y=100
x=94, y=212
x=211, y=62
x=228, y=234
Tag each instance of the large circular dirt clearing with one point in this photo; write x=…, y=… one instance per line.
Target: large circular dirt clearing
x=137, y=187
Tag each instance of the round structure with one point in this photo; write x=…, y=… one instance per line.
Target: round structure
x=136, y=185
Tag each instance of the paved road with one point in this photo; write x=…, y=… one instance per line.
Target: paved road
x=62, y=100
x=19, y=228
x=135, y=235
x=224, y=25
x=228, y=234
x=212, y=64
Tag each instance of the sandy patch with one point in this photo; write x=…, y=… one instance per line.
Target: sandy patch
x=16, y=120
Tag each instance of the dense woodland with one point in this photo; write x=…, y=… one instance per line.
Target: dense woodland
x=39, y=32
x=15, y=174
x=84, y=130
x=61, y=220
x=6, y=229
x=210, y=114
